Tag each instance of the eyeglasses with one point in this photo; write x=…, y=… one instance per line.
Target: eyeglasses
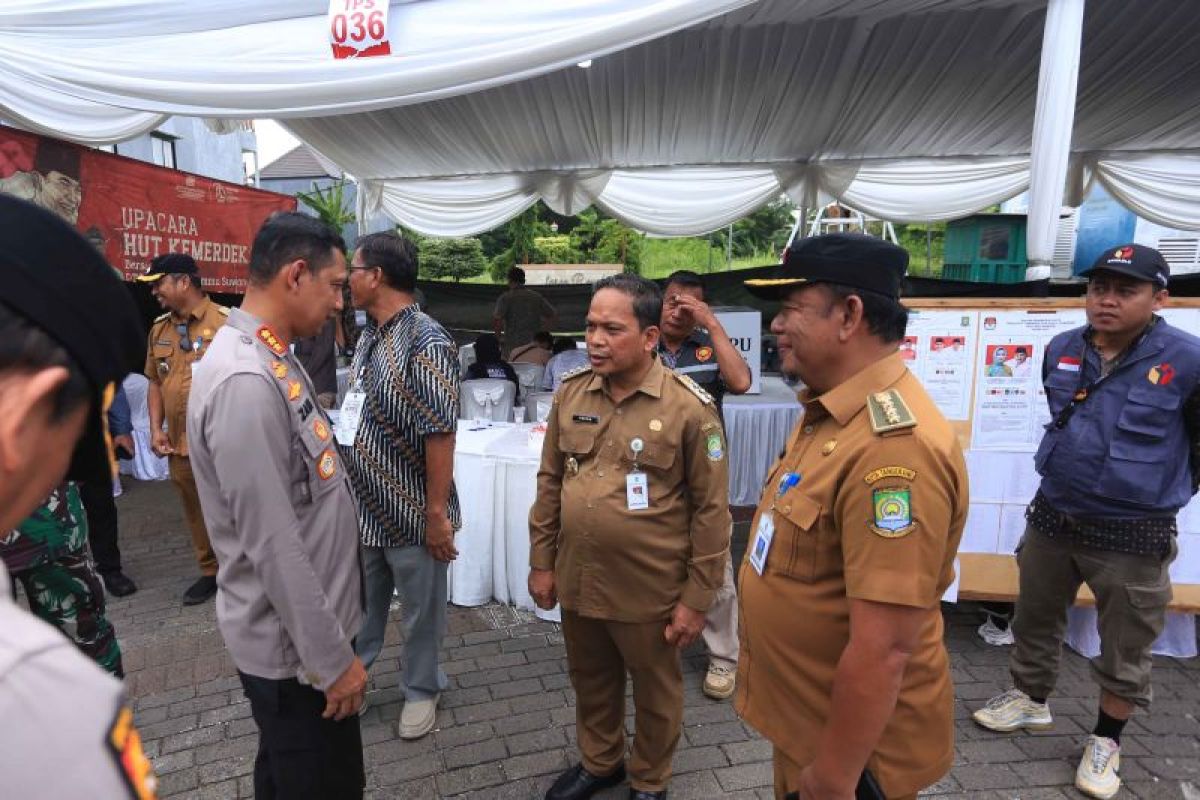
x=185, y=344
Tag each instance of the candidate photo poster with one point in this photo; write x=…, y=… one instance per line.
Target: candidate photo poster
x=939, y=349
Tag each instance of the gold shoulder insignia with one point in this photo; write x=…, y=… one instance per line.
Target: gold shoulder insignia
x=575, y=373
x=223, y=311
x=693, y=387
x=889, y=412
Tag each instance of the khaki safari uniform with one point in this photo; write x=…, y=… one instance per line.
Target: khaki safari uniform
x=619, y=573
x=877, y=515
x=170, y=363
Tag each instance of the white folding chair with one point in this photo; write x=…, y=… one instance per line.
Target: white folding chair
x=530, y=378
x=537, y=406
x=466, y=357
x=487, y=399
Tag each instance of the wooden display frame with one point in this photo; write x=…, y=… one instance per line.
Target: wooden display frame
x=993, y=576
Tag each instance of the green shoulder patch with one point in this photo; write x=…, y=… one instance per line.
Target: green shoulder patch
x=889, y=412
x=893, y=513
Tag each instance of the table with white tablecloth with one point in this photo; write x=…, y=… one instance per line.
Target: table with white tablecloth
x=757, y=427
x=495, y=473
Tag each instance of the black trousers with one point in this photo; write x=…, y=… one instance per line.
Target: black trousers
x=300, y=755
x=101, y=508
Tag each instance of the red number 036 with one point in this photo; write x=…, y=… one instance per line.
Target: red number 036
x=357, y=26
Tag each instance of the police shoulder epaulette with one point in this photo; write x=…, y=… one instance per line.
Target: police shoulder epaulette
x=694, y=388
x=889, y=412
x=575, y=373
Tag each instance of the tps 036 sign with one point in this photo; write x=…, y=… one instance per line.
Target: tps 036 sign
x=359, y=28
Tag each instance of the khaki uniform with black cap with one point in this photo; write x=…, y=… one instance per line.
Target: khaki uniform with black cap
x=620, y=567
x=176, y=345
x=867, y=502
x=1118, y=460
x=67, y=730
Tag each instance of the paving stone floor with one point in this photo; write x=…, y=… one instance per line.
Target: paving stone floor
x=506, y=725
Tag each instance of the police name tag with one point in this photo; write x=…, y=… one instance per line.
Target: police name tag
x=761, y=546
x=349, y=418
x=637, y=491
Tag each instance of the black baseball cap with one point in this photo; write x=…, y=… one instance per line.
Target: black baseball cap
x=169, y=264
x=851, y=259
x=60, y=283
x=1135, y=261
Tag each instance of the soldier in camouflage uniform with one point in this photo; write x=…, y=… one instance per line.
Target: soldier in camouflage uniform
x=48, y=553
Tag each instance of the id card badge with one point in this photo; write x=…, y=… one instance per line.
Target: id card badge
x=637, y=491
x=349, y=418
x=761, y=546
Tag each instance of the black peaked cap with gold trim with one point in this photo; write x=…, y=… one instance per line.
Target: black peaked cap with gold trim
x=850, y=259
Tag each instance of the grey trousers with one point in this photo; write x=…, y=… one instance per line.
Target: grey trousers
x=421, y=582
x=721, y=623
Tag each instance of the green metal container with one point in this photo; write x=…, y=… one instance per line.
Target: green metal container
x=986, y=248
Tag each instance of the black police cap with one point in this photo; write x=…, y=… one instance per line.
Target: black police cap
x=1135, y=261
x=60, y=283
x=851, y=259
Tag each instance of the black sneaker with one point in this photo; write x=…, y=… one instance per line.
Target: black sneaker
x=200, y=591
x=118, y=584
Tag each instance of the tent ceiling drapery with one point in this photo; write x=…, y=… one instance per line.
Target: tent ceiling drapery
x=692, y=114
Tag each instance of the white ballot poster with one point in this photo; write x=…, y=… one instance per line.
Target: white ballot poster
x=938, y=348
x=1010, y=404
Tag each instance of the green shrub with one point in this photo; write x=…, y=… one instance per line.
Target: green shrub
x=451, y=258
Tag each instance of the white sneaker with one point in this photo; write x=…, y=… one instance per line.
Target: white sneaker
x=418, y=717
x=990, y=632
x=1011, y=710
x=719, y=682
x=1097, y=772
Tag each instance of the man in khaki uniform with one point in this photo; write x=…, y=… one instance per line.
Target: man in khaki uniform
x=630, y=533
x=842, y=662
x=178, y=340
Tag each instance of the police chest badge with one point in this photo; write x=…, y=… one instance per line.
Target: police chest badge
x=893, y=512
x=326, y=465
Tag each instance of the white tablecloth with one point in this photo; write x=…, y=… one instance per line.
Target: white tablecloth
x=757, y=427
x=495, y=473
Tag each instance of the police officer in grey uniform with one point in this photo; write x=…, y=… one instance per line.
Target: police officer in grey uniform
x=281, y=518
x=1120, y=457
x=69, y=333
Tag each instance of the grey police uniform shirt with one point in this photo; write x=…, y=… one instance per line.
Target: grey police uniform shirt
x=278, y=507
x=58, y=711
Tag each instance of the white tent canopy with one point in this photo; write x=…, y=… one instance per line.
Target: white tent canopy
x=692, y=114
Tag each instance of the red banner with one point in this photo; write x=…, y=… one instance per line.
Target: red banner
x=134, y=211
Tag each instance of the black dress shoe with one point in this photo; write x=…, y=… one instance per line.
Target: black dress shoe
x=642, y=794
x=200, y=591
x=579, y=784
x=118, y=584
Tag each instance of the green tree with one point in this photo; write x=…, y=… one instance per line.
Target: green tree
x=763, y=232
x=451, y=258
x=619, y=244
x=329, y=205
x=556, y=250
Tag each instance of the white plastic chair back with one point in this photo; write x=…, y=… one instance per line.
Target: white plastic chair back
x=487, y=399
x=466, y=357
x=530, y=378
x=537, y=406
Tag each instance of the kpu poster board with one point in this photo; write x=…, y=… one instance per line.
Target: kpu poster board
x=985, y=376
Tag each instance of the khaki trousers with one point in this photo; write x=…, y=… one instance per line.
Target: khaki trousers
x=598, y=654
x=1132, y=593
x=180, y=469
x=787, y=777
x=721, y=623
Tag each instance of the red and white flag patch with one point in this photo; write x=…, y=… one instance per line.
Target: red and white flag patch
x=1069, y=364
